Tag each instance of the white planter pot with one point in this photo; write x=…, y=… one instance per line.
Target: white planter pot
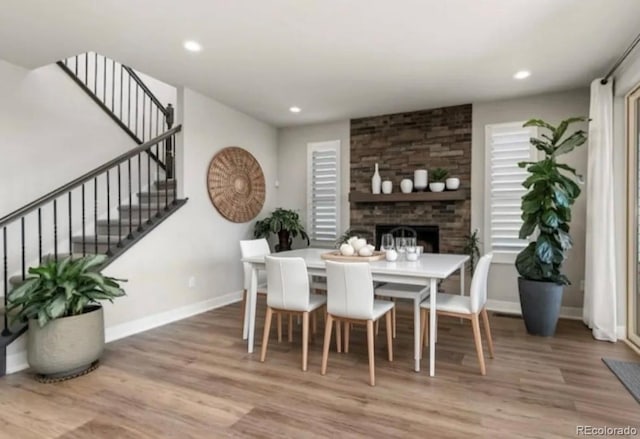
x=436, y=187
x=66, y=345
x=387, y=187
x=452, y=183
x=406, y=186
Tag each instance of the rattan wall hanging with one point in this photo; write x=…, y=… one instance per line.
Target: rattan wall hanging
x=236, y=184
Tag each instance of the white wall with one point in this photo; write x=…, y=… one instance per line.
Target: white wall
x=292, y=165
x=196, y=241
x=552, y=107
x=50, y=133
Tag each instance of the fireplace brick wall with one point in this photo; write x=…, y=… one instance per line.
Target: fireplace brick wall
x=401, y=143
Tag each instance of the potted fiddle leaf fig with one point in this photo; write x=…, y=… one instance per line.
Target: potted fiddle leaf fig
x=282, y=222
x=60, y=301
x=553, y=188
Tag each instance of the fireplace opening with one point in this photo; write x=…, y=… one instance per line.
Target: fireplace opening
x=426, y=236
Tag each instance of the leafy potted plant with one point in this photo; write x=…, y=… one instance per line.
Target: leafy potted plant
x=60, y=300
x=546, y=212
x=284, y=223
x=438, y=176
x=472, y=248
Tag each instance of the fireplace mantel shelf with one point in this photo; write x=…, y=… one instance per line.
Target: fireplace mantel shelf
x=398, y=197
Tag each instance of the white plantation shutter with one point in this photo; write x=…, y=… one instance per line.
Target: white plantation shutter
x=323, y=197
x=506, y=145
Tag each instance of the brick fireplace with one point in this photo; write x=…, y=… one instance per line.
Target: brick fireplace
x=401, y=143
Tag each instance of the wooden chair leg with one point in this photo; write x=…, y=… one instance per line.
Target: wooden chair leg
x=370, y=349
x=377, y=327
x=424, y=322
x=305, y=340
x=347, y=332
x=487, y=330
x=338, y=336
x=475, y=323
x=314, y=322
x=327, y=343
x=389, y=318
x=265, y=335
x=243, y=306
x=279, y=326
x=290, y=328
x=393, y=317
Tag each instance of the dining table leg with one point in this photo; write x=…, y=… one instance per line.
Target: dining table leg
x=251, y=306
x=416, y=332
x=432, y=326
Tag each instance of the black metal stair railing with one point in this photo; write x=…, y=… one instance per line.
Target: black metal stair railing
x=123, y=95
x=95, y=213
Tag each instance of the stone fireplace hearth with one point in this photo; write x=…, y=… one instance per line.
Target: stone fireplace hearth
x=401, y=143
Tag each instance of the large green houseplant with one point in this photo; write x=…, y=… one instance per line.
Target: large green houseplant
x=60, y=300
x=546, y=214
x=285, y=224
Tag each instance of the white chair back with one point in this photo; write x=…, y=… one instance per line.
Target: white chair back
x=349, y=290
x=287, y=283
x=479, y=283
x=252, y=247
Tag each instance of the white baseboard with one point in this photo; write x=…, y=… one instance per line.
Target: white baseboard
x=144, y=324
x=508, y=307
x=18, y=360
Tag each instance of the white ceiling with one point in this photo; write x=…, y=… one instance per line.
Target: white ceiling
x=335, y=59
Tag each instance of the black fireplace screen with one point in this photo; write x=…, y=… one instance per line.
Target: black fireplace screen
x=426, y=236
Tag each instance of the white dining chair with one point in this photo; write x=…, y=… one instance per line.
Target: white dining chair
x=467, y=307
x=350, y=299
x=288, y=292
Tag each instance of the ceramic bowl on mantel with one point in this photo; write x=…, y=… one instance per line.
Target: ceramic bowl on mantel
x=452, y=183
x=436, y=186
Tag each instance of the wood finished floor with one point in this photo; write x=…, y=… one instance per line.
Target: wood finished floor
x=194, y=379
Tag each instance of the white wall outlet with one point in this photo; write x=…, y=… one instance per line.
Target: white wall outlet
x=192, y=282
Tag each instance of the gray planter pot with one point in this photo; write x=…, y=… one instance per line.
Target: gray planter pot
x=67, y=345
x=540, y=303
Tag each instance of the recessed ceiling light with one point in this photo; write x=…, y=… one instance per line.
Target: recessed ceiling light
x=192, y=46
x=522, y=74
x=295, y=109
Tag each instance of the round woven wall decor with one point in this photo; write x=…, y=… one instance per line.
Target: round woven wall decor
x=236, y=184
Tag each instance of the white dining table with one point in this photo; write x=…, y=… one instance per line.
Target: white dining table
x=426, y=271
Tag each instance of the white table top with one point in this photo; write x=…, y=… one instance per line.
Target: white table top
x=430, y=265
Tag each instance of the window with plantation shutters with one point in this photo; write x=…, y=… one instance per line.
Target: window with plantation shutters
x=323, y=185
x=505, y=146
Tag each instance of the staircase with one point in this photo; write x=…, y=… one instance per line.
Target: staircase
x=107, y=210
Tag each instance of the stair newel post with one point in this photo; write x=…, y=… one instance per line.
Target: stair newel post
x=139, y=201
x=70, y=225
x=119, y=204
x=108, y=215
x=148, y=186
x=5, y=329
x=158, y=214
x=129, y=185
x=169, y=142
x=84, y=244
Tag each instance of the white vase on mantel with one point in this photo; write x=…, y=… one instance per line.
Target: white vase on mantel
x=376, y=182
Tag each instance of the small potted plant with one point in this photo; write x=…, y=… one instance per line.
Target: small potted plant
x=546, y=213
x=60, y=300
x=284, y=223
x=438, y=176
